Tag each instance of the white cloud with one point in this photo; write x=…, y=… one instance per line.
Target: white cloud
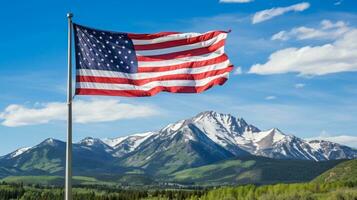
x=235, y=1
x=270, y=97
x=299, y=85
x=347, y=140
x=83, y=112
x=339, y=56
x=337, y=3
x=238, y=71
x=327, y=30
x=274, y=12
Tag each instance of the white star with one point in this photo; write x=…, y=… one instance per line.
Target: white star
x=129, y=51
x=118, y=52
x=103, y=33
x=113, y=47
x=102, y=59
x=110, y=37
x=100, y=50
x=121, y=62
x=126, y=57
x=108, y=65
x=127, y=67
x=116, y=42
x=106, y=55
x=117, y=66
x=126, y=41
x=89, y=63
x=107, y=42
x=94, y=45
x=123, y=47
x=98, y=64
x=132, y=62
x=92, y=59
x=100, y=37
x=115, y=57
x=87, y=40
x=111, y=60
x=90, y=49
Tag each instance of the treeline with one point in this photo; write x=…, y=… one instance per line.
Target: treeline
x=299, y=191
x=38, y=192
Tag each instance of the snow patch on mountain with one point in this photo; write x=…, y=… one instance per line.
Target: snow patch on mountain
x=19, y=152
x=114, y=141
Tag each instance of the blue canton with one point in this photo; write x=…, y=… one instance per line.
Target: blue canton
x=104, y=50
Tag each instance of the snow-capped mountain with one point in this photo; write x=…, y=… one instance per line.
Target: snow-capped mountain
x=236, y=135
x=203, y=139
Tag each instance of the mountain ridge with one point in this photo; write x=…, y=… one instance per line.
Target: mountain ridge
x=233, y=134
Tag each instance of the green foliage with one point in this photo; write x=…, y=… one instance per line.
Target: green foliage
x=297, y=191
x=55, y=180
x=346, y=171
x=301, y=191
x=253, y=170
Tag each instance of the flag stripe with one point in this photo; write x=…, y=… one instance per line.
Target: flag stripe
x=182, y=54
x=150, y=85
x=177, y=42
x=194, y=64
x=177, y=61
x=153, y=91
x=140, y=82
x=139, y=36
x=165, y=38
x=136, y=76
x=182, y=48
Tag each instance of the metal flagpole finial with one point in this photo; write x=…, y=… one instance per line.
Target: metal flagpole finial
x=69, y=15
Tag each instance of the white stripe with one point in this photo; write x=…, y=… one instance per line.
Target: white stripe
x=150, y=85
x=206, y=43
x=178, y=36
x=136, y=76
x=177, y=61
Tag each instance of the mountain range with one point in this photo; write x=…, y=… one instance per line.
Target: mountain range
x=207, y=141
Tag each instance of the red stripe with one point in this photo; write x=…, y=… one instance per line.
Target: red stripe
x=180, y=42
x=195, y=64
x=139, y=82
x=182, y=54
x=153, y=91
x=135, y=36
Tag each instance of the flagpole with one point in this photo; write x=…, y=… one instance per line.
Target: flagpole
x=68, y=178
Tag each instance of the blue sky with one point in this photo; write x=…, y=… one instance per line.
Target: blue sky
x=295, y=67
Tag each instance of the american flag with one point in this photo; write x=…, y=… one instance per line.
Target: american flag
x=126, y=64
